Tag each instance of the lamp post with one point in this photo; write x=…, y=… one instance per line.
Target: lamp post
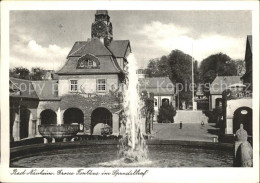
x=192, y=73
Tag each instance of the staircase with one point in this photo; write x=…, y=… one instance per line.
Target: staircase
x=187, y=116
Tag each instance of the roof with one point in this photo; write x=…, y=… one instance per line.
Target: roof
x=101, y=12
x=157, y=85
x=223, y=82
x=119, y=47
x=76, y=46
x=24, y=86
x=41, y=90
x=107, y=65
x=94, y=46
x=46, y=90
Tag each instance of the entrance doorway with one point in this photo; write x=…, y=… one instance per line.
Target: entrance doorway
x=243, y=115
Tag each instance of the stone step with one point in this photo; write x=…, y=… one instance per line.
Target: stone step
x=190, y=117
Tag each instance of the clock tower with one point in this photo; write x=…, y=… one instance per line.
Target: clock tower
x=102, y=27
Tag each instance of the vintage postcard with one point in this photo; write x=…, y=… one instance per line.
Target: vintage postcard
x=119, y=91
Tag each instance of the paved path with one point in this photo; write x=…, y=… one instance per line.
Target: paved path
x=189, y=132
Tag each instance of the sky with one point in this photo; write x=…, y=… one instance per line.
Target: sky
x=44, y=38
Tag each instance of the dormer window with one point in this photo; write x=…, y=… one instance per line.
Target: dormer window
x=86, y=64
x=88, y=61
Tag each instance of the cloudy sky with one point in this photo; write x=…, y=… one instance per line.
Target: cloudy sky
x=44, y=38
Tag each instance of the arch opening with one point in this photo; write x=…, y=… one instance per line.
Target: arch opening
x=74, y=115
x=48, y=116
x=243, y=115
x=100, y=117
x=25, y=116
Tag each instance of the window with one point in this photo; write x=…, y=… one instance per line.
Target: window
x=155, y=102
x=86, y=64
x=101, y=85
x=90, y=63
x=73, y=85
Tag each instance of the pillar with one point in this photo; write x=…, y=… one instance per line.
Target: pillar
x=61, y=116
x=31, y=126
x=38, y=122
x=229, y=126
x=16, y=127
x=115, y=124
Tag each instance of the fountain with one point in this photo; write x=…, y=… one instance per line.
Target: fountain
x=132, y=150
x=132, y=146
x=58, y=131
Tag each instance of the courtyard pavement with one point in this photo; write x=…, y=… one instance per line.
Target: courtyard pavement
x=189, y=132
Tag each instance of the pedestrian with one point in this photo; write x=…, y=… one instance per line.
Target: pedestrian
x=181, y=125
x=202, y=123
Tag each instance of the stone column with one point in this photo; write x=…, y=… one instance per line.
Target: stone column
x=16, y=127
x=31, y=126
x=61, y=116
x=38, y=122
x=229, y=126
x=115, y=123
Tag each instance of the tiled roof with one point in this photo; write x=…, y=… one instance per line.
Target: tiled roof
x=107, y=65
x=24, y=86
x=94, y=46
x=157, y=85
x=41, y=90
x=223, y=82
x=46, y=90
x=76, y=46
x=119, y=47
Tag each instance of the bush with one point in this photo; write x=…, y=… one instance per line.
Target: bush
x=166, y=113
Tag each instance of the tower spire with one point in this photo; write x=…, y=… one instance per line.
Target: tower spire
x=102, y=27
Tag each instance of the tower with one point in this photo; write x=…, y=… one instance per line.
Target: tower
x=102, y=27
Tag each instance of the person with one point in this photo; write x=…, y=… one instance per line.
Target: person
x=202, y=123
x=181, y=125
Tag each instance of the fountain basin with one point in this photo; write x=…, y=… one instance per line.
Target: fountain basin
x=58, y=132
x=103, y=153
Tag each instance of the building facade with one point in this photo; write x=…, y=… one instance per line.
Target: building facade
x=238, y=99
x=162, y=88
x=217, y=87
x=87, y=91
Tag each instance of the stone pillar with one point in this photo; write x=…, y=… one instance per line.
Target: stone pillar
x=31, y=126
x=61, y=116
x=16, y=127
x=210, y=102
x=38, y=122
x=229, y=126
x=115, y=124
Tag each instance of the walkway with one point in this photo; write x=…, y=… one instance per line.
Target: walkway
x=189, y=132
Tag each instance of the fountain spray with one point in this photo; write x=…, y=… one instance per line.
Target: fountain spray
x=133, y=146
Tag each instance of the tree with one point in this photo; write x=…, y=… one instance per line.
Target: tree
x=157, y=67
x=166, y=113
x=177, y=66
x=180, y=65
x=19, y=72
x=37, y=73
x=218, y=64
x=240, y=66
x=148, y=110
